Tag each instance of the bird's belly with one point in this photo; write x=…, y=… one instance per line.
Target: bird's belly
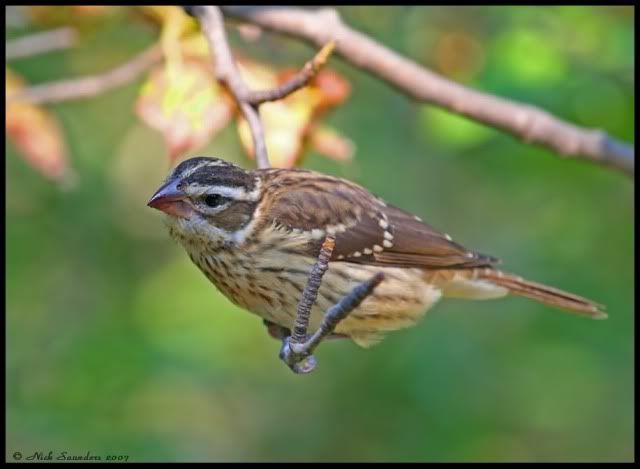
x=399, y=301
x=271, y=287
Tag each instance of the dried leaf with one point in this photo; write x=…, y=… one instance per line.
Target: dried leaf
x=255, y=75
x=185, y=104
x=195, y=46
x=283, y=132
x=284, y=121
x=288, y=122
x=329, y=142
x=175, y=23
x=334, y=89
x=165, y=13
x=36, y=134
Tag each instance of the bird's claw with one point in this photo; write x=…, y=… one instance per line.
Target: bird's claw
x=296, y=356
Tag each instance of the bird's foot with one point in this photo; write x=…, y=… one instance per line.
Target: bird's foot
x=297, y=350
x=297, y=357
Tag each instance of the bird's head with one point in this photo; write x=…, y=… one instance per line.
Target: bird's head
x=208, y=198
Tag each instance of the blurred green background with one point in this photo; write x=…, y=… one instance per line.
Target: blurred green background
x=116, y=344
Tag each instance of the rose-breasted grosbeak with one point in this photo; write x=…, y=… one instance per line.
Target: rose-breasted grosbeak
x=256, y=235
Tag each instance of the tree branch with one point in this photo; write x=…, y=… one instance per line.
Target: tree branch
x=527, y=122
x=299, y=80
x=93, y=85
x=227, y=73
x=38, y=43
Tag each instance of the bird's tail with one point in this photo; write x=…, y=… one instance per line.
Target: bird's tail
x=543, y=293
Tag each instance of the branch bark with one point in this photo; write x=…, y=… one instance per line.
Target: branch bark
x=39, y=43
x=299, y=80
x=227, y=73
x=527, y=122
x=93, y=85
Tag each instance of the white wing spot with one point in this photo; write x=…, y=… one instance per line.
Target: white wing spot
x=470, y=254
x=417, y=218
x=339, y=228
x=377, y=248
x=447, y=237
x=388, y=235
x=368, y=251
x=341, y=256
x=383, y=224
x=387, y=244
x=356, y=254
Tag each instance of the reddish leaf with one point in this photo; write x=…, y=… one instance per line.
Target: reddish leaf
x=333, y=87
x=330, y=143
x=36, y=134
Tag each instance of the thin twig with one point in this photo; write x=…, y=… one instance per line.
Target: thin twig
x=93, y=85
x=299, y=80
x=227, y=73
x=38, y=43
x=527, y=122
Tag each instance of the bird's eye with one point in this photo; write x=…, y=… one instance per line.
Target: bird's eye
x=214, y=200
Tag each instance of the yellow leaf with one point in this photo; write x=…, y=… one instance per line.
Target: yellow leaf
x=165, y=14
x=187, y=106
x=257, y=76
x=287, y=122
x=195, y=46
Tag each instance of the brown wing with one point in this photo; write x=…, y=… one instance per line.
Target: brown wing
x=367, y=229
x=417, y=244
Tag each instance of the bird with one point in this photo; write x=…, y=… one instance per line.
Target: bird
x=256, y=235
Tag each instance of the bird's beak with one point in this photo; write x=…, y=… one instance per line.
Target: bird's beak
x=172, y=201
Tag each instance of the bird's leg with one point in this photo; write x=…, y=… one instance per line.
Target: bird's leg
x=279, y=332
x=293, y=352
x=341, y=310
x=299, y=356
x=297, y=350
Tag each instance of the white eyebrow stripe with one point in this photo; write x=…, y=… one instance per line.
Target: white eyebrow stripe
x=236, y=193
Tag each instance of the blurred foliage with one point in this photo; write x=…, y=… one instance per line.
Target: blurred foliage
x=182, y=100
x=116, y=344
